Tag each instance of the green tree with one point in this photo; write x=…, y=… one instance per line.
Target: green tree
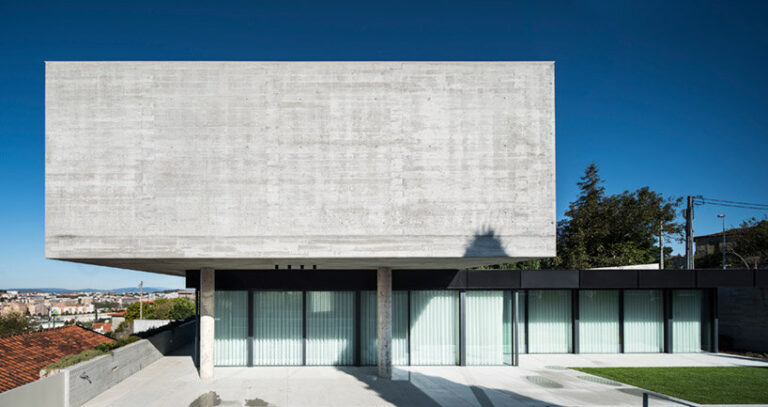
x=12, y=323
x=132, y=311
x=181, y=308
x=615, y=230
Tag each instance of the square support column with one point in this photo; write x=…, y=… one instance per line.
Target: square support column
x=384, y=321
x=207, y=301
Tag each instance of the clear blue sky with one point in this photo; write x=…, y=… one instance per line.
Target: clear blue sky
x=665, y=94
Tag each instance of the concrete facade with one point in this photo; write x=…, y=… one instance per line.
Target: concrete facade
x=173, y=166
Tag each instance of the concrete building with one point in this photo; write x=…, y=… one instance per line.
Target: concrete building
x=326, y=211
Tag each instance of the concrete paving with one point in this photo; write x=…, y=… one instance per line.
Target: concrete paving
x=541, y=380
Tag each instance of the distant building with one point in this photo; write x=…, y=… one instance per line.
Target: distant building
x=22, y=356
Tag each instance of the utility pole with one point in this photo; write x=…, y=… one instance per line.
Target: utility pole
x=689, y=234
x=661, y=245
x=141, y=295
x=723, y=247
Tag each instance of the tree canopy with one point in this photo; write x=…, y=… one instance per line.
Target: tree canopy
x=602, y=230
x=12, y=323
x=163, y=308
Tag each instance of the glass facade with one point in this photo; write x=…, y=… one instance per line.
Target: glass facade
x=485, y=327
x=277, y=328
x=292, y=328
x=599, y=321
x=549, y=321
x=643, y=321
x=434, y=327
x=230, y=345
x=330, y=328
x=686, y=321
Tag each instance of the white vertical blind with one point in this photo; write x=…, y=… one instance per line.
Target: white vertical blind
x=507, y=327
x=686, y=321
x=277, y=328
x=230, y=345
x=599, y=321
x=522, y=346
x=434, y=327
x=549, y=321
x=484, y=326
x=369, y=333
x=330, y=328
x=643, y=321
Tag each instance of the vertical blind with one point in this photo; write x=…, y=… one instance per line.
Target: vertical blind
x=686, y=321
x=549, y=321
x=230, y=344
x=277, y=328
x=485, y=327
x=369, y=333
x=330, y=328
x=434, y=327
x=599, y=321
x=643, y=321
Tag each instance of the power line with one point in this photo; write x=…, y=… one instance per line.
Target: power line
x=699, y=200
x=733, y=202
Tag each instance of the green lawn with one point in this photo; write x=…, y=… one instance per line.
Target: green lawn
x=704, y=385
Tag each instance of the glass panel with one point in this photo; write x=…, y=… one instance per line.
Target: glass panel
x=485, y=327
x=330, y=328
x=434, y=327
x=643, y=321
x=230, y=344
x=549, y=321
x=277, y=337
x=686, y=321
x=599, y=321
x=522, y=346
x=369, y=334
x=507, y=327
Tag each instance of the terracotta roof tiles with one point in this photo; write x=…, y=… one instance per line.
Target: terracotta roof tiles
x=23, y=355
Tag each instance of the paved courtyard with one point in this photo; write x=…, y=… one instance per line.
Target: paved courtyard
x=541, y=380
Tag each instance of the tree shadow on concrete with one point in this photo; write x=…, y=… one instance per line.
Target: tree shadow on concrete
x=419, y=389
x=485, y=243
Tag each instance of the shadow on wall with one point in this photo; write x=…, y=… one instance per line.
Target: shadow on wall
x=485, y=243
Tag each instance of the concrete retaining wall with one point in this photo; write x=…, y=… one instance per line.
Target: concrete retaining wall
x=172, y=339
x=743, y=319
x=90, y=378
x=49, y=391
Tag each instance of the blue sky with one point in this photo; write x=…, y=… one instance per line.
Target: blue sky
x=671, y=95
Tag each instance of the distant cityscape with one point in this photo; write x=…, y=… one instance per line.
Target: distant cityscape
x=101, y=310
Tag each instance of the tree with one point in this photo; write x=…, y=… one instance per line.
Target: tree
x=615, y=230
x=751, y=243
x=13, y=322
x=163, y=308
x=181, y=308
x=132, y=311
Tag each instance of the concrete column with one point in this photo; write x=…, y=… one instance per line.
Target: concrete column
x=384, y=317
x=207, y=301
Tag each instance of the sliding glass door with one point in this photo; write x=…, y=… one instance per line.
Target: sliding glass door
x=277, y=328
x=434, y=327
x=686, y=321
x=549, y=321
x=330, y=328
x=230, y=344
x=485, y=327
x=599, y=321
x=643, y=321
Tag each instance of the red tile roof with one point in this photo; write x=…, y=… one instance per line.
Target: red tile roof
x=22, y=356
